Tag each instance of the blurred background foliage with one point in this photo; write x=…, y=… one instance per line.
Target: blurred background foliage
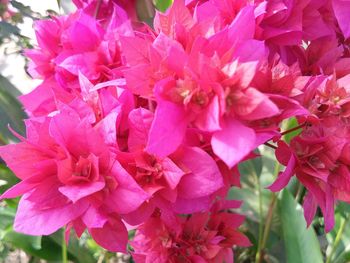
x=274, y=222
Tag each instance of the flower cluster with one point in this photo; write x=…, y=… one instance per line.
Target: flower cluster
x=144, y=127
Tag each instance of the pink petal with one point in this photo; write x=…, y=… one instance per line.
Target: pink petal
x=128, y=195
x=140, y=215
x=204, y=174
x=113, y=236
x=178, y=15
x=18, y=190
x=243, y=27
x=40, y=101
x=84, y=63
x=167, y=130
x=79, y=191
x=32, y=221
x=233, y=142
x=172, y=172
x=107, y=127
x=209, y=119
x=188, y=206
x=310, y=208
x=94, y=218
x=25, y=160
x=84, y=34
x=140, y=121
x=284, y=177
x=342, y=10
x=135, y=50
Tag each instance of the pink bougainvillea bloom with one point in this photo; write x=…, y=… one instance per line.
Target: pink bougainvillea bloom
x=202, y=237
x=140, y=127
x=169, y=179
x=316, y=158
x=210, y=76
x=69, y=176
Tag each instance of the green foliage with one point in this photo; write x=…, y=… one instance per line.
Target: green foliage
x=301, y=244
x=11, y=112
x=292, y=123
x=162, y=5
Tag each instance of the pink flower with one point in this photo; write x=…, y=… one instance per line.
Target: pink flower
x=69, y=176
x=169, y=179
x=201, y=237
x=314, y=157
x=201, y=88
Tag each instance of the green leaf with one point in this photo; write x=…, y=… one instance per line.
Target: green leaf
x=77, y=252
x=7, y=216
x=251, y=167
x=25, y=10
x=292, y=122
x=300, y=242
x=6, y=85
x=37, y=246
x=341, y=253
x=7, y=29
x=11, y=113
x=7, y=178
x=162, y=5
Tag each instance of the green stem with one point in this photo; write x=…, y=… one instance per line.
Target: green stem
x=261, y=229
x=268, y=220
x=264, y=232
x=64, y=248
x=299, y=193
x=337, y=239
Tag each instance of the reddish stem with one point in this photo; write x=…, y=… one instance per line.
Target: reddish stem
x=270, y=145
x=98, y=6
x=294, y=129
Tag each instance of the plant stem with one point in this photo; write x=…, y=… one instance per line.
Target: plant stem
x=270, y=145
x=258, y=256
x=98, y=6
x=264, y=232
x=337, y=239
x=294, y=129
x=64, y=248
x=268, y=220
x=299, y=192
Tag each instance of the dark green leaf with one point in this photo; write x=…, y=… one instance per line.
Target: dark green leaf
x=11, y=114
x=300, y=242
x=7, y=29
x=6, y=85
x=25, y=10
